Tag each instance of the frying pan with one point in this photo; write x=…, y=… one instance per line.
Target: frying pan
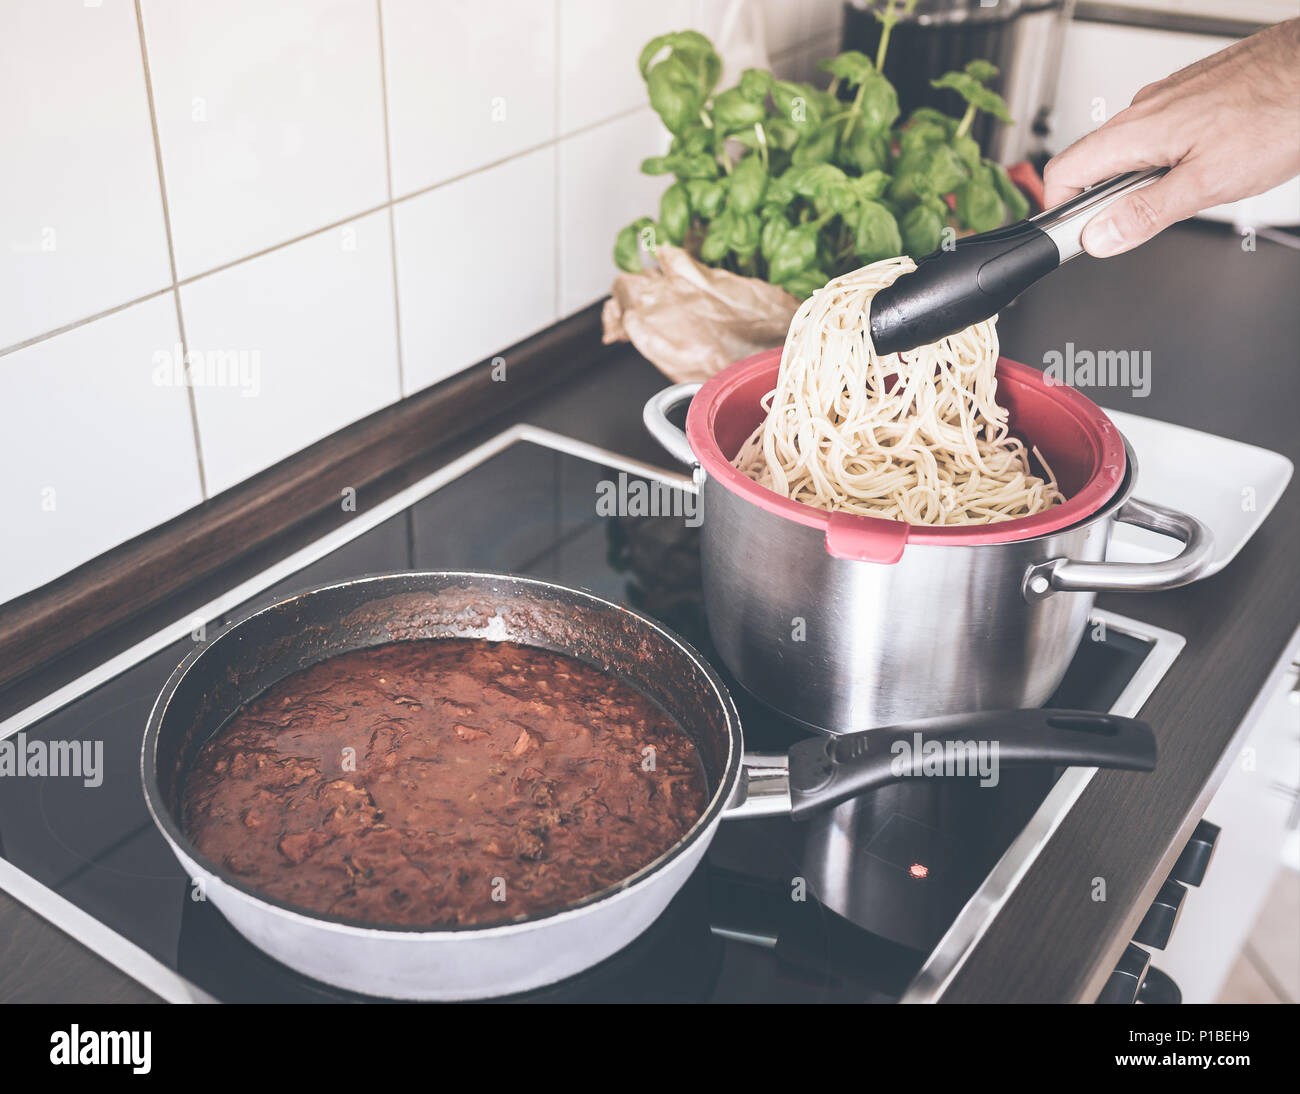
x=469, y=962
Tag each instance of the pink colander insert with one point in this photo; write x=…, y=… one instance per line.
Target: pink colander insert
x=1081, y=444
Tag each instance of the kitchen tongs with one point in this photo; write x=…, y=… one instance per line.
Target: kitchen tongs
x=978, y=276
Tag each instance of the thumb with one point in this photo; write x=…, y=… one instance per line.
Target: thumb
x=1139, y=216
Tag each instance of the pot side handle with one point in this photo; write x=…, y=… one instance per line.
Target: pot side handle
x=827, y=771
x=655, y=416
x=1070, y=575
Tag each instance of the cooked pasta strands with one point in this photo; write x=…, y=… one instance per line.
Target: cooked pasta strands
x=916, y=436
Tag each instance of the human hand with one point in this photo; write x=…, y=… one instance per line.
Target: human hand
x=1228, y=126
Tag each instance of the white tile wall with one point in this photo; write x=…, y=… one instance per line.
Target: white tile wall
x=495, y=229
x=470, y=82
x=500, y=139
x=788, y=23
x=1103, y=66
x=93, y=450
x=270, y=117
x=601, y=190
x=81, y=226
x=315, y=323
x=600, y=42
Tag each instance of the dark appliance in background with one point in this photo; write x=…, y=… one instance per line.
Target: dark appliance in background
x=1019, y=36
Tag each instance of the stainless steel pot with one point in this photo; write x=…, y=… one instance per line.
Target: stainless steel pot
x=498, y=959
x=840, y=644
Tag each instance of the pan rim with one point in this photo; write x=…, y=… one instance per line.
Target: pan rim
x=189, y=855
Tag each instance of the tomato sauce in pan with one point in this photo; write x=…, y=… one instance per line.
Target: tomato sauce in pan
x=443, y=782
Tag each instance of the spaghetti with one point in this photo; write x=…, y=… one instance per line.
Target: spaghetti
x=916, y=437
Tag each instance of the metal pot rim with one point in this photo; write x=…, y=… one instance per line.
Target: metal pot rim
x=188, y=854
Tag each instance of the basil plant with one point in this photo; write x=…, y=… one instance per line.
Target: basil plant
x=795, y=185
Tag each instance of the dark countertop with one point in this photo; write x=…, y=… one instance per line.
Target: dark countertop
x=1223, y=327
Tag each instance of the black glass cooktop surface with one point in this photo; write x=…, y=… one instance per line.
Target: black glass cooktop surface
x=747, y=927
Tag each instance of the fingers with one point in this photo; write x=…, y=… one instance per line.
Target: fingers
x=1135, y=219
x=1116, y=147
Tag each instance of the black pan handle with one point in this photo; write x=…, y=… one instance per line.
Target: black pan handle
x=826, y=771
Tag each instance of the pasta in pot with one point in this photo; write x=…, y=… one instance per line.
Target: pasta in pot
x=917, y=436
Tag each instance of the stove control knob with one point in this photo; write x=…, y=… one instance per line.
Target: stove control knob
x=1157, y=987
x=1195, y=859
x=1158, y=924
x=1122, y=987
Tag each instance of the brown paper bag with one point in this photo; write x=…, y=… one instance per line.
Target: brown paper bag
x=691, y=320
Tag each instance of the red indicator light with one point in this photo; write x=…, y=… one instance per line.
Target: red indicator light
x=917, y=870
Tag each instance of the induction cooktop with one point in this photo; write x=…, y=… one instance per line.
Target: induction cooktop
x=930, y=869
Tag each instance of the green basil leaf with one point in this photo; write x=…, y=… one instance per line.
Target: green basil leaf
x=656, y=165
x=968, y=151
x=627, y=252
x=940, y=207
x=694, y=165
x=675, y=213
x=798, y=104
x=877, y=235
x=746, y=229
x=692, y=49
x=706, y=196
x=835, y=196
x=922, y=231
x=774, y=230
x=978, y=205
x=748, y=185
x=992, y=103
x=817, y=146
x=627, y=245
x=864, y=150
x=732, y=111
x=780, y=134
x=675, y=93
x=960, y=82
x=933, y=169
x=850, y=67
x=920, y=135
x=804, y=283
x=975, y=93
x=755, y=84
x=1016, y=202
x=796, y=251
x=983, y=71
x=879, y=103
x=870, y=186
x=717, y=241
x=933, y=117
x=695, y=140
x=807, y=180
x=780, y=190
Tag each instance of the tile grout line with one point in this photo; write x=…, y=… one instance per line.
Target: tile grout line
x=45, y=336
x=180, y=283
x=392, y=216
x=171, y=255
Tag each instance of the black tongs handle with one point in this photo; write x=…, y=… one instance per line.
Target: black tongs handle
x=976, y=277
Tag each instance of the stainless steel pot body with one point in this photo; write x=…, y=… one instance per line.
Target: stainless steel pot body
x=842, y=645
